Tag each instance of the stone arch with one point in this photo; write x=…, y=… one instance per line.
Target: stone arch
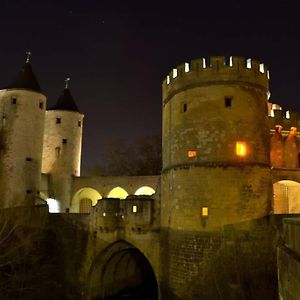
x=121, y=269
x=286, y=197
x=117, y=192
x=84, y=199
x=144, y=190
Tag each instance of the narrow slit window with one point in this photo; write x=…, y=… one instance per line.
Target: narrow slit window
x=14, y=100
x=58, y=120
x=134, y=209
x=64, y=141
x=41, y=105
x=28, y=159
x=79, y=123
x=228, y=101
x=184, y=107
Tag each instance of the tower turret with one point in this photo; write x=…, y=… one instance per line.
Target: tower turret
x=216, y=168
x=22, y=115
x=62, y=146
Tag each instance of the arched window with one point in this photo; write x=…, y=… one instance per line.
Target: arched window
x=90, y=198
x=117, y=192
x=144, y=190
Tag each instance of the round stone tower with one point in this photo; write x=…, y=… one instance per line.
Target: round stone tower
x=216, y=168
x=22, y=116
x=62, y=147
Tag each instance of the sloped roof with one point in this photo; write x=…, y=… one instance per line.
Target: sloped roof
x=25, y=80
x=65, y=102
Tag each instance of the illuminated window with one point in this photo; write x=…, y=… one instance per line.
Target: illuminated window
x=134, y=208
x=230, y=61
x=192, y=153
x=268, y=74
x=262, y=68
x=204, y=211
x=58, y=120
x=168, y=79
x=240, y=148
x=204, y=63
x=228, y=101
x=175, y=74
x=248, y=63
x=287, y=114
x=104, y=214
x=186, y=67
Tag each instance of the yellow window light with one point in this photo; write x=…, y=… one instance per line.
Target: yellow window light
x=192, y=153
x=134, y=208
x=240, y=148
x=204, y=211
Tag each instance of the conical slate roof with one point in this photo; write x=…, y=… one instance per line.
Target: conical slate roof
x=25, y=80
x=65, y=102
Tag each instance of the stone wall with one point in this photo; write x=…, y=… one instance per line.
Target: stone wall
x=288, y=256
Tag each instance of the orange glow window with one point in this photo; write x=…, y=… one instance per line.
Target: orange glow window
x=192, y=153
x=240, y=148
x=204, y=211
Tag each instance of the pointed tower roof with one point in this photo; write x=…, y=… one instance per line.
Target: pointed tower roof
x=26, y=78
x=65, y=101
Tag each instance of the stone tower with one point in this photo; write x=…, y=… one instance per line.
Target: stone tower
x=62, y=147
x=216, y=167
x=22, y=116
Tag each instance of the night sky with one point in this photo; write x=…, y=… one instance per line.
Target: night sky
x=118, y=52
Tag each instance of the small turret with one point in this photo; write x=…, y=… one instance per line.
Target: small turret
x=62, y=146
x=22, y=109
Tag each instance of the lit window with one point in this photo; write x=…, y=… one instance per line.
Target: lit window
x=287, y=114
x=186, y=67
x=230, y=61
x=248, y=63
x=134, y=208
x=268, y=74
x=175, y=74
x=204, y=211
x=240, y=148
x=168, y=79
x=204, y=63
x=104, y=214
x=192, y=153
x=262, y=68
x=272, y=114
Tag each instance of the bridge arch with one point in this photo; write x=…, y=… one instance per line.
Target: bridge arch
x=144, y=190
x=117, y=192
x=121, y=270
x=84, y=199
x=286, y=197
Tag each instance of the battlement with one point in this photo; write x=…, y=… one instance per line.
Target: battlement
x=216, y=70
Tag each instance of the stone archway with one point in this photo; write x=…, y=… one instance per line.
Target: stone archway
x=84, y=199
x=286, y=197
x=121, y=270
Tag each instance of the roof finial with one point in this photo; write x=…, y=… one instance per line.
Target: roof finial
x=28, y=55
x=67, y=82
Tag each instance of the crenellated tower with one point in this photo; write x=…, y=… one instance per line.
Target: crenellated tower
x=22, y=116
x=216, y=167
x=62, y=147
